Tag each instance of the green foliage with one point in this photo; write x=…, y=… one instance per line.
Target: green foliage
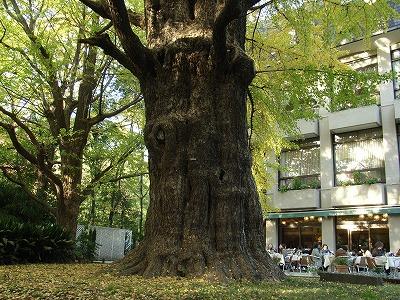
x=15, y=205
x=86, y=246
x=359, y=178
x=29, y=243
x=300, y=184
x=341, y=261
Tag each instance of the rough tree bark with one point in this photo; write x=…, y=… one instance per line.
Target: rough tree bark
x=204, y=217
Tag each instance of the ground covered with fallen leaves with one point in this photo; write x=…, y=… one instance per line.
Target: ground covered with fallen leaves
x=89, y=281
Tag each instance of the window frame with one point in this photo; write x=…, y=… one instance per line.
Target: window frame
x=302, y=144
x=334, y=143
x=395, y=48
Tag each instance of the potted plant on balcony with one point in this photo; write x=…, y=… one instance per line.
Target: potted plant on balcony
x=341, y=264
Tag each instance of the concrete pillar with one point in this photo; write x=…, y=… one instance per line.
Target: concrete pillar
x=390, y=146
x=326, y=161
x=384, y=66
x=329, y=233
x=271, y=229
x=394, y=232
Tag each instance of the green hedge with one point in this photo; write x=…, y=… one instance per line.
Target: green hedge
x=30, y=243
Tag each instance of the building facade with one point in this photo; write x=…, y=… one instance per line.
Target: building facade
x=342, y=185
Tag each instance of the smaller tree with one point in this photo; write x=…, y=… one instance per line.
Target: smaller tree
x=55, y=90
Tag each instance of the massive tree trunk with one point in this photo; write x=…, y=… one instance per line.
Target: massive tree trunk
x=204, y=217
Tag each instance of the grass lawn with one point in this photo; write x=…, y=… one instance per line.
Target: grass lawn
x=85, y=281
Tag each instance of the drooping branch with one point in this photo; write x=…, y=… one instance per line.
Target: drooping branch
x=38, y=161
x=27, y=58
x=104, y=42
x=101, y=174
x=101, y=117
x=45, y=205
x=127, y=176
x=22, y=125
x=17, y=145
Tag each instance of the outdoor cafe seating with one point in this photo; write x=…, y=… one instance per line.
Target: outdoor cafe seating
x=295, y=261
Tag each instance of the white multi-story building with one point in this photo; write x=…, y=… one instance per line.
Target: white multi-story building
x=342, y=186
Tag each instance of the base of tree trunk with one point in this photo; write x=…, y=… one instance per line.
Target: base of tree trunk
x=214, y=266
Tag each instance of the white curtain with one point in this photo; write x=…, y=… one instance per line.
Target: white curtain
x=300, y=162
x=359, y=155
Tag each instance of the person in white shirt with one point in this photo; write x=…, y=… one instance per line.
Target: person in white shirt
x=366, y=252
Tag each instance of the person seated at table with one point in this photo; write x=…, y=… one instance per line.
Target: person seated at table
x=366, y=252
x=316, y=254
x=340, y=252
x=325, y=250
x=281, y=248
x=348, y=253
x=378, y=249
x=270, y=249
x=316, y=251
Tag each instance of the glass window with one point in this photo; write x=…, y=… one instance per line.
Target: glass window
x=300, y=232
x=363, y=231
x=300, y=168
x=396, y=69
x=364, y=63
x=367, y=90
x=359, y=157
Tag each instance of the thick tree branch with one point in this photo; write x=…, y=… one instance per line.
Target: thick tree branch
x=85, y=92
x=130, y=42
x=101, y=117
x=101, y=8
x=104, y=42
x=230, y=11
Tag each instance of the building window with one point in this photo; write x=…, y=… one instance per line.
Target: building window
x=366, y=91
x=396, y=69
x=362, y=62
x=359, y=157
x=363, y=231
x=300, y=168
x=300, y=233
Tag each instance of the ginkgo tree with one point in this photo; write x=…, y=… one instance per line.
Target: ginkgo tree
x=55, y=90
x=194, y=71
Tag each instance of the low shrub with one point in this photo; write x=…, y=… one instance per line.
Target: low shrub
x=86, y=246
x=30, y=243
